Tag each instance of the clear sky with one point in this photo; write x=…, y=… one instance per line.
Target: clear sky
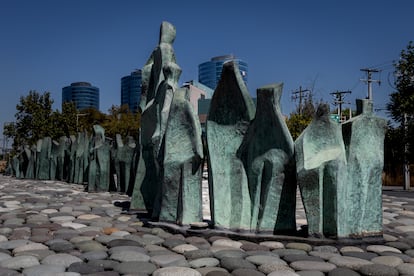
x=321, y=45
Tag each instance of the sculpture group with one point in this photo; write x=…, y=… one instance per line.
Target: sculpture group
x=254, y=166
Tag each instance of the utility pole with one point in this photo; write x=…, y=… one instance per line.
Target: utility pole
x=299, y=94
x=339, y=100
x=369, y=80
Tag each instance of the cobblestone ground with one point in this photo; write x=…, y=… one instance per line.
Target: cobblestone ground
x=54, y=228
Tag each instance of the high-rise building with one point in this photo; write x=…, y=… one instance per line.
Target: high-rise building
x=131, y=90
x=209, y=72
x=83, y=94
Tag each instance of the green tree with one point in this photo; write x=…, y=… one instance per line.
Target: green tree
x=121, y=120
x=302, y=116
x=33, y=119
x=401, y=104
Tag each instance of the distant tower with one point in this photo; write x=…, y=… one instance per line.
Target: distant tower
x=209, y=72
x=83, y=94
x=131, y=90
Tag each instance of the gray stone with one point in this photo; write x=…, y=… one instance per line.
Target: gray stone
x=94, y=255
x=343, y=271
x=129, y=256
x=231, y=111
x=196, y=254
x=320, y=167
x=19, y=262
x=127, y=248
x=312, y=265
x=387, y=260
x=378, y=270
x=267, y=154
x=310, y=273
x=362, y=255
x=87, y=246
x=39, y=254
x=182, y=271
x=85, y=268
x=8, y=272
x=40, y=270
x=263, y=259
x=166, y=260
x=203, y=262
x=61, y=259
x=301, y=257
x=213, y=271
x=246, y=272
x=406, y=269
x=270, y=267
x=134, y=267
x=283, y=252
x=230, y=253
x=283, y=273
x=349, y=262
x=235, y=263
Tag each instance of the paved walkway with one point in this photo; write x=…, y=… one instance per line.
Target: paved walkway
x=54, y=228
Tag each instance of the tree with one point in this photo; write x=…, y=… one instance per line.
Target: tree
x=121, y=120
x=33, y=119
x=401, y=105
x=302, y=116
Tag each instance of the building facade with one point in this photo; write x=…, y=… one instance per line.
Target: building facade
x=83, y=94
x=131, y=90
x=209, y=72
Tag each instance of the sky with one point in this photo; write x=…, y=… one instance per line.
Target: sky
x=319, y=45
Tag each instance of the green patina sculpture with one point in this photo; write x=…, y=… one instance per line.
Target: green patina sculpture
x=30, y=159
x=181, y=200
x=81, y=158
x=320, y=167
x=124, y=155
x=160, y=78
x=72, y=158
x=43, y=156
x=99, y=161
x=364, y=145
x=60, y=153
x=268, y=157
x=230, y=113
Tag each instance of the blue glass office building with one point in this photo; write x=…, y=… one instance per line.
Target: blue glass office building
x=209, y=72
x=83, y=94
x=131, y=90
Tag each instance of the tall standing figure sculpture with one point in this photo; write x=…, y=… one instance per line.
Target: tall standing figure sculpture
x=160, y=78
x=320, y=167
x=268, y=156
x=99, y=164
x=181, y=184
x=364, y=145
x=230, y=113
x=44, y=148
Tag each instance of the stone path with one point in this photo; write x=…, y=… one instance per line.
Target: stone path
x=54, y=228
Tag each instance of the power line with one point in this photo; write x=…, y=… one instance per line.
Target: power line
x=369, y=80
x=339, y=97
x=299, y=94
